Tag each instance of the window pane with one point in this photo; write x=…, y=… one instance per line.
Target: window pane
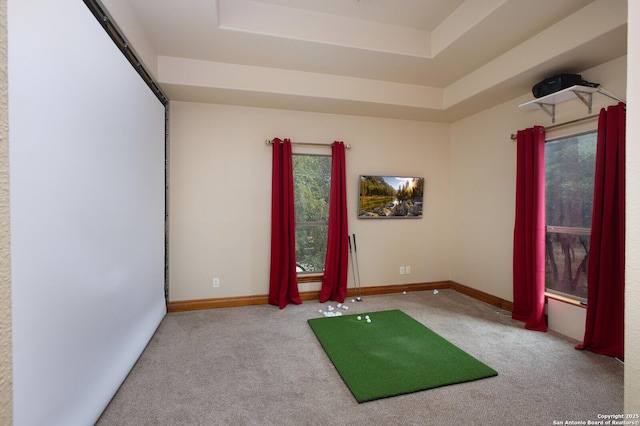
x=311, y=246
x=569, y=176
x=312, y=183
x=566, y=266
x=569, y=173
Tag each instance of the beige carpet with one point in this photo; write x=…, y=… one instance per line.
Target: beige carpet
x=260, y=365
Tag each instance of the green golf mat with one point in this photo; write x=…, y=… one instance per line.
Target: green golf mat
x=392, y=355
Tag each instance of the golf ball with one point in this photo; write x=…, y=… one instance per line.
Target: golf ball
x=353, y=300
x=366, y=316
x=358, y=317
x=339, y=304
x=368, y=320
x=404, y=292
x=346, y=307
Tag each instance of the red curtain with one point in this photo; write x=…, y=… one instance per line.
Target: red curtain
x=334, y=281
x=529, y=231
x=283, y=281
x=604, y=330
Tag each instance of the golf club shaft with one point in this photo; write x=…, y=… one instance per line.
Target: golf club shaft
x=352, y=267
x=355, y=249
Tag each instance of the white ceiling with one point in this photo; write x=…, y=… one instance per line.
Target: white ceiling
x=436, y=60
x=419, y=14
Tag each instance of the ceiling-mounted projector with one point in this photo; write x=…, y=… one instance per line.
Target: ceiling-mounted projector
x=559, y=82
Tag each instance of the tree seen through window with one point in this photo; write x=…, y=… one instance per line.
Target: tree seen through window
x=569, y=178
x=312, y=184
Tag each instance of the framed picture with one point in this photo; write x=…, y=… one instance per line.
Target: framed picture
x=390, y=197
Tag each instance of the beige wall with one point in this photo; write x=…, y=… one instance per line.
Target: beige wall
x=483, y=174
x=483, y=199
x=632, y=296
x=5, y=250
x=220, y=196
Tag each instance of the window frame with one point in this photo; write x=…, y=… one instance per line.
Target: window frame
x=552, y=293
x=312, y=276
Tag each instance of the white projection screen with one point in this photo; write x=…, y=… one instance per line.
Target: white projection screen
x=87, y=151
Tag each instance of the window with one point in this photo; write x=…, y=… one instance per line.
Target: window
x=311, y=186
x=569, y=176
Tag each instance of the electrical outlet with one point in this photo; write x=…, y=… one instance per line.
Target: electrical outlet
x=216, y=282
x=402, y=270
x=407, y=270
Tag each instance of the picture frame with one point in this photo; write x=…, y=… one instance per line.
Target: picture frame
x=390, y=197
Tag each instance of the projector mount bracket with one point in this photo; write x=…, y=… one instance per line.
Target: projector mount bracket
x=548, y=103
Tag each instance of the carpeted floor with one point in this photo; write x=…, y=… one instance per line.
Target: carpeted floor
x=260, y=365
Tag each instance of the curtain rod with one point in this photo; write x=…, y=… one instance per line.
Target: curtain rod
x=270, y=142
x=578, y=120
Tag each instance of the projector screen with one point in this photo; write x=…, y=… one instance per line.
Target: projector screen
x=87, y=151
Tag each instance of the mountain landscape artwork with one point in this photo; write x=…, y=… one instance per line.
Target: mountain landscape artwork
x=390, y=197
